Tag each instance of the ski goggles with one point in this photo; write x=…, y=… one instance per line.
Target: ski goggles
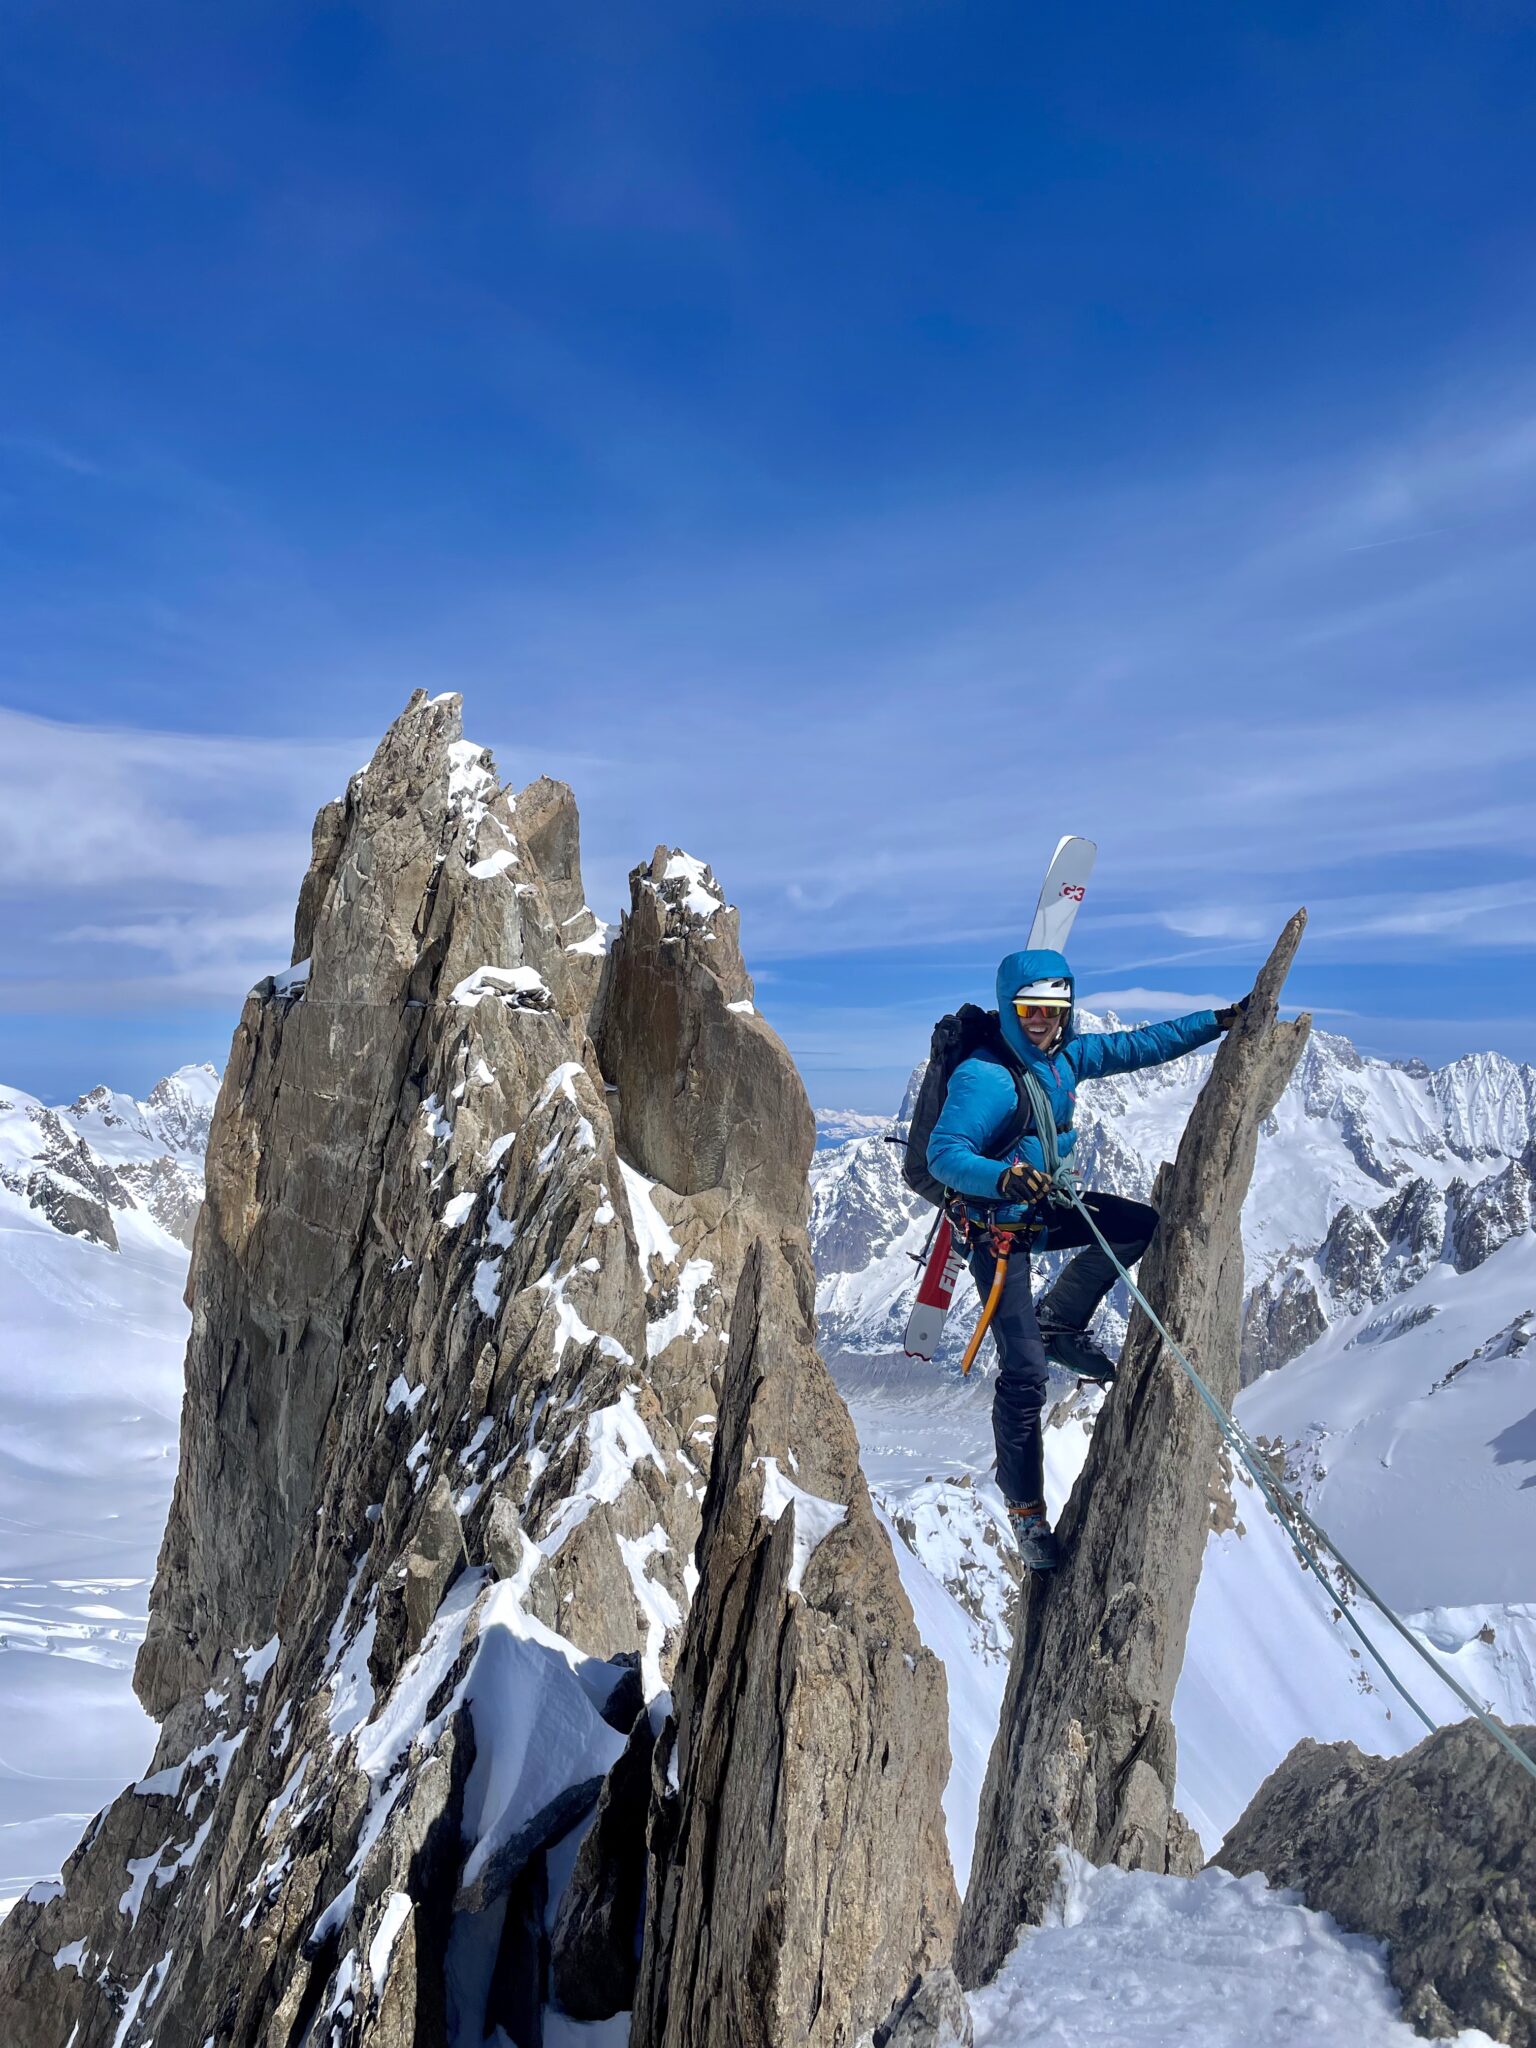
x=1046, y=1012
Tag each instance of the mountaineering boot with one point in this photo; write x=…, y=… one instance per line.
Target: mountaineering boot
x=1078, y=1352
x=1038, y=1549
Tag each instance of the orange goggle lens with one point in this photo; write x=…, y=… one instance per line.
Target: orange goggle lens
x=1044, y=1011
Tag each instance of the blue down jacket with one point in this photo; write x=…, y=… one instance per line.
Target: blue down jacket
x=982, y=1096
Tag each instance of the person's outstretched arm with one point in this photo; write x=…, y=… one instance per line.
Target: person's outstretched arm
x=1121, y=1052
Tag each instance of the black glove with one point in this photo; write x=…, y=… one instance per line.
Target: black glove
x=1021, y=1183
x=1228, y=1017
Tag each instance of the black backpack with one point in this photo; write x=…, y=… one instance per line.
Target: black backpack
x=969, y=1030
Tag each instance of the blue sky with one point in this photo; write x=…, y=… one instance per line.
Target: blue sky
x=856, y=442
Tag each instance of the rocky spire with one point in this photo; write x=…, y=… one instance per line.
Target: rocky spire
x=456, y=1360
x=799, y=1876
x=1085, y=1751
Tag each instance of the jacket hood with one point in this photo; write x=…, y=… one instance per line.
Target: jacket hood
x=1033, y=964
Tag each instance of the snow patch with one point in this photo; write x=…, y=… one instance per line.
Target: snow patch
x=397, y=1910
x=815, y=1518
x=569, y=1326
x=700, y=896
x=617, y=1440
x=683, y=1320
x=486, y=1288
x=292, y=981
x=493, y=865
x=1125, y=1959
x=653, y=1240
x=256, y=1664
x=661, y=1611
x=518, y=988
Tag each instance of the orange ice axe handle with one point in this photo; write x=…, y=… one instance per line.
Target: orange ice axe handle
x=994, y=1295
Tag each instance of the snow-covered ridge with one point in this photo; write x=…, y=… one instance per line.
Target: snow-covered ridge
x=836, y=1126
x=83, y=1165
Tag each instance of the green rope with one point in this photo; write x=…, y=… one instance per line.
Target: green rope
x=1286, y=1509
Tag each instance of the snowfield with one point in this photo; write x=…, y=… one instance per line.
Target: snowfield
x=1127, y=1960
x=90, y=1392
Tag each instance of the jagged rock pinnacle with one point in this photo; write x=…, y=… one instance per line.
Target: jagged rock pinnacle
x=1085, y=1751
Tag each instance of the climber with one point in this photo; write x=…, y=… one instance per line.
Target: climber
x=1013, y=1194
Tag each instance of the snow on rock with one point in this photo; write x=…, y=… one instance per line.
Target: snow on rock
x=696, y=889
x=1125, y=1958
x=682, y=1319
x=517, y=988
x=291, y=981
x=484, y=1290
x=814, y=1518
x=569, y=1327
x=398, y=1908
x=595, y=945
x=493, y=865
x=541, y=1745
x=617, y=1440
x=663, y=1616
x=653, y=1240
x=257, y=1663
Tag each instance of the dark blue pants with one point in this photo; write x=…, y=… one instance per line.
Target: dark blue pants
x=1019, y=1393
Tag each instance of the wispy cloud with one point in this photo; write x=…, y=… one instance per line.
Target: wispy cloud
x=184, y=849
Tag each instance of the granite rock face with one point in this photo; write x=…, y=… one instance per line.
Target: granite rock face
x=1433, y=1853
x=678, y=997
x=799, y=1874
x=453, y=1381
x=1280, y=1319
x=1085, y=1751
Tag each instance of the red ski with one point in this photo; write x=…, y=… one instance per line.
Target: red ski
x=925, y=1325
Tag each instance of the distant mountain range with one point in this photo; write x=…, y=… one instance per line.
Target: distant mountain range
x=1351, y=1133
x=86, y=1163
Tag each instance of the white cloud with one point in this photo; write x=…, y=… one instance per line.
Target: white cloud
x=95, y=808
x=186, y=849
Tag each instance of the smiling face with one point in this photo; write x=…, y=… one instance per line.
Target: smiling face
x=1040, y=1022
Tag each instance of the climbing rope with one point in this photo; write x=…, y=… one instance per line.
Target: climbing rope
x=1283, y=1505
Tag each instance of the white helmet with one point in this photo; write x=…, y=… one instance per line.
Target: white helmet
x=1052, y=994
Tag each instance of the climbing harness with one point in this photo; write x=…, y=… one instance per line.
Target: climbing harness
x=1308, y=1535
